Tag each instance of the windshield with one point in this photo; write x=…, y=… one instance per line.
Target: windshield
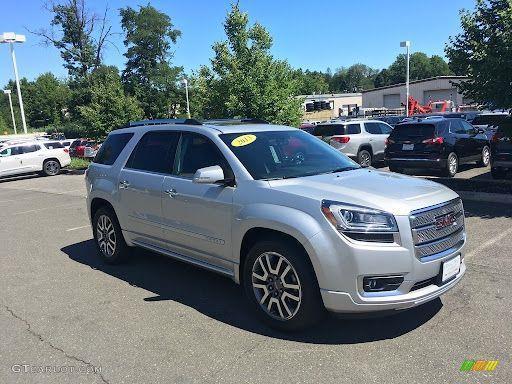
x=285, y=154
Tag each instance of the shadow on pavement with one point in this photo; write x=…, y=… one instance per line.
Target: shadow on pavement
x=487, y=210
x=221, y=299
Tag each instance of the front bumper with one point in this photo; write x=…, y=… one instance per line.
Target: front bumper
x=341, y=264
x=416, y=163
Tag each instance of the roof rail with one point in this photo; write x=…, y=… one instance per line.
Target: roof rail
x=251, y=120
x=163, y=121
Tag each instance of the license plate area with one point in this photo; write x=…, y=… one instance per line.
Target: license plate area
x=450, y=269
x=407, y=147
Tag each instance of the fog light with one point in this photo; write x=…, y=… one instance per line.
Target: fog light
x=382, y=283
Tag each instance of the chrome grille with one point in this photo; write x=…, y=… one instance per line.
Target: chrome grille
x=431, y=241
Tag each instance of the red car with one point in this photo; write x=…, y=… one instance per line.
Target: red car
x=78, y=147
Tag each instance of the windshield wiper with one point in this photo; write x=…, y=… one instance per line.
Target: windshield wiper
x=342, y=169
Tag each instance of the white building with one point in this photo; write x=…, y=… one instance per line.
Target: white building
x=336, y=104
x=425, y=90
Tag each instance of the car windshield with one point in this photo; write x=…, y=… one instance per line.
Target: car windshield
x=285, y=154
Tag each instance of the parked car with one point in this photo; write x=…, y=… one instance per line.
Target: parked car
x=501, y=150
x=362, y=140
x=78, y=147
x=489, y=122
x=33, y=156
x=437, y=144
x=469, y=116
x=391, y=120
x=307, y=127
x=91, y=148
x=301, y=234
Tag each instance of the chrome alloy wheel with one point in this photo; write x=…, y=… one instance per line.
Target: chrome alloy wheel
x=106, y=236
x=366, y=160
x=486, y=156
x=51, y=167
x=452, y=164
x=276, y=285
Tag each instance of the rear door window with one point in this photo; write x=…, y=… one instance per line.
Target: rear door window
x=155, y=152
x=30, y=148
x=372, y=128
x=457, y=127
x=111, y=148
x=385, y=129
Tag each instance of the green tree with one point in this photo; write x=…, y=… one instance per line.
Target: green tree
x=148, y=74
x=244, y=79
x=312, y=82
x=355, y=78
x=483, y=51
x=79, y=34
x=106, y=107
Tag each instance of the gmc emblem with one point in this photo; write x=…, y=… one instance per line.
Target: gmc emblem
x=445, y=221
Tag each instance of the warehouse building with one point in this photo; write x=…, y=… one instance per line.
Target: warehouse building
x=330, y=105
x=425, y=90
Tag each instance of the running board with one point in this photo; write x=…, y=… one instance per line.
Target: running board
x=185, y=259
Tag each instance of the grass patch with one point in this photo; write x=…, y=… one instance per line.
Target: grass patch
x=78, y=163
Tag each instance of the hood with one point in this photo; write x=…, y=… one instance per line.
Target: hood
x=387, y=191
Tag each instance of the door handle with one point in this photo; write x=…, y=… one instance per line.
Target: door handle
x=124, y=184
x=171, y=192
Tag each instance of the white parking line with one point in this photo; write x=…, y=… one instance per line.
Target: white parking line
x=53, y=207
x=77, y=228
x=488, y=243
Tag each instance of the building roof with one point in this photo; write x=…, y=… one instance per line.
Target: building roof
x=418, y=81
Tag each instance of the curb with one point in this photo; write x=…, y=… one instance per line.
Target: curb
x=486, y=197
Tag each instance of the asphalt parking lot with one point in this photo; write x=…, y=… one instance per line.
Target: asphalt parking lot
x=155, y=320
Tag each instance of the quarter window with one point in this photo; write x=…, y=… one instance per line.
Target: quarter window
x=155, y=152
x=372, y=128
x=111, y=148
x=353, y=129
x=385, y=129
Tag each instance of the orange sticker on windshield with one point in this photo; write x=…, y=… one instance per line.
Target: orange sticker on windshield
x=240, y=141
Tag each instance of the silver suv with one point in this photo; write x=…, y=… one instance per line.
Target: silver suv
x=298, y=224
x=362, y=140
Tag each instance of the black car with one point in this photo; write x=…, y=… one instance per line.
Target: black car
x=501, y=150
x=436, y=143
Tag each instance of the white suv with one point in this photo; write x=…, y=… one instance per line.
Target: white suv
x=361, y=140
x=32, y=156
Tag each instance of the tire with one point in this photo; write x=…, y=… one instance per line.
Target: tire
x=452, y=165
x=293, y=297
x=486, y=157
x=498, y=173
x=364, y=158
x=113, y=250
x=51, y=167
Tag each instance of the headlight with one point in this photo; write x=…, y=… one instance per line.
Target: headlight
x=354, y=219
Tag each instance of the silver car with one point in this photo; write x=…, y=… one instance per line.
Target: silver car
x=362, y=140
x=299, y=225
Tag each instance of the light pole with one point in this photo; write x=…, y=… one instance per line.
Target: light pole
x=407, y=45
x=185, y=83
x=8, y=93
x=11, y=38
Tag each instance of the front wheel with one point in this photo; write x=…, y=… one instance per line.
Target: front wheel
x=486, y=157
x=452, y=165
x=51, y=167
x=281, y=285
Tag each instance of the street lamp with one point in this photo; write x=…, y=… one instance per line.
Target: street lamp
x=185, y=83
x=406, y=44
x=8, y=93
x=11, y=38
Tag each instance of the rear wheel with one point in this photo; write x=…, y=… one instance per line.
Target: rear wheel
x=498, y=173
x=281, y=285
x=108, y=237
x=364, y=158
x=51, y=167
x=486, y=156
x=452, y=165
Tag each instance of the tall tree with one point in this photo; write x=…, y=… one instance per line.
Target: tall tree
x=244, y=79
x=148, y=74
x=106, y=106
x=483, y=51
x=79, y=34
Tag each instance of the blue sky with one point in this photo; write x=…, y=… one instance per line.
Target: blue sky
x=309, y=34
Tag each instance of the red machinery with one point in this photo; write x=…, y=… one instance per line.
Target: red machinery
x=437, y=106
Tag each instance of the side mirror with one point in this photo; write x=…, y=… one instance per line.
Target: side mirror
x=208, y=175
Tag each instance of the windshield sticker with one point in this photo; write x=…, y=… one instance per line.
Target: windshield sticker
x=240, y=141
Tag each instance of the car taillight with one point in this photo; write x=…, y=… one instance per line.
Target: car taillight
x=341, y=139
x=434, y=140
x=66, y=150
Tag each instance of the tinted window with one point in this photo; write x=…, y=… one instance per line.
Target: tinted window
x=329, y=130
x=197, y=151
x=411, y=131
x=154, y=152
x=505, y=128
x=353, y=129
x=53, y=145
x=467, y=127
x=489, y=119
x=286, y=154
x=29, y=148
x=385, y=129
x=457, y=127
x=111, y=148
x=373, y=128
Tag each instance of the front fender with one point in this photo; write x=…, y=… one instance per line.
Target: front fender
x=290, y=221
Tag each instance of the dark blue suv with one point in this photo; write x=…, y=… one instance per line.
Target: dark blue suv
x=437, y=144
